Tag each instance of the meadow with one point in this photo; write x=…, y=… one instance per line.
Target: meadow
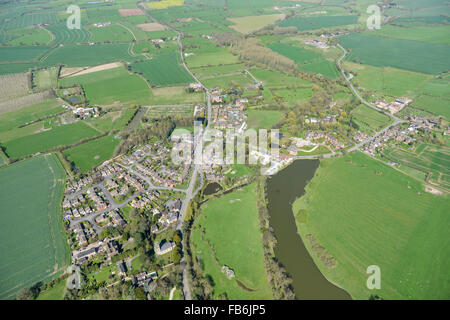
x=45, y=78
x=404, y=54
x=207, y=57
x=264, y=119
x=307, y=60
x=175, y=95
x=33, y=245
x=436, y=105
x=363, y=212
x=62, y=135
x=252, y=23
x=388, y=81
x=227, y=233
x=366, y=117
x=163, y=70
x=112, y=120
x=111, y=86
x=13, y=119
x=90, y=154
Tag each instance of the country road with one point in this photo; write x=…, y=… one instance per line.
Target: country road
x=198, y=142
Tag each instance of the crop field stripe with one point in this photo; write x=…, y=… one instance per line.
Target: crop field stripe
x=37, y=219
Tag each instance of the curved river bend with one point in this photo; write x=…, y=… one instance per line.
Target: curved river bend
x=282, y=190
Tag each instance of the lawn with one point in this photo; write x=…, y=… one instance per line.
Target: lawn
x=90, y=154
x=264, y=119
x=54, y=293
x=111, y=86
x=163, y=70
x=227, y=233
x=363, y=212
x=33, y=244
x=404, y=54
x=57, y=136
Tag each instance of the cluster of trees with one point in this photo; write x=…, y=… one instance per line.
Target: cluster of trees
x=274, y=30
x=250, y=51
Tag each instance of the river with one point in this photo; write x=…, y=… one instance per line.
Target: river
x=282, y=190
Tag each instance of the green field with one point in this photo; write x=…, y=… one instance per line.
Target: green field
x=253, y=23
x=110, y=86
x=64, y=35
x=207, y=57
x=432, y=34
x=307, y=60
x=58, y=136
x=88, y=55
x=13, y=119
x=175, y=95
x=113, y=120
x=404, y=54
x=263, y=118
x=363, y=212
x=311, y=23
x=54, y=293
x=368, y=118
x=227, y=233
x=33, y=245
x=388, y=81
x=21, y=54
x=163, y=70
x=427, y=159
x=45, y=78
x=436, y=105
x=90, y=154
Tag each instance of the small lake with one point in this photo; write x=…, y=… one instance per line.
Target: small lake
x=212, y=188
x=282, y=190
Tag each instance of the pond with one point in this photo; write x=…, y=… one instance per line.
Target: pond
x=212, y=188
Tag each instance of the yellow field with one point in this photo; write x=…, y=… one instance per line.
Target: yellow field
x=163, y=4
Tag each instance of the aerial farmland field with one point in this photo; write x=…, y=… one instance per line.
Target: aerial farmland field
x=92, y=153
x=307, y=60
x=33, y=242
x=404, y=54
x=58, y=136
x=219, y=235
x=110, y=86
x=384, y=225
x=64, y=35
x=163, y=70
